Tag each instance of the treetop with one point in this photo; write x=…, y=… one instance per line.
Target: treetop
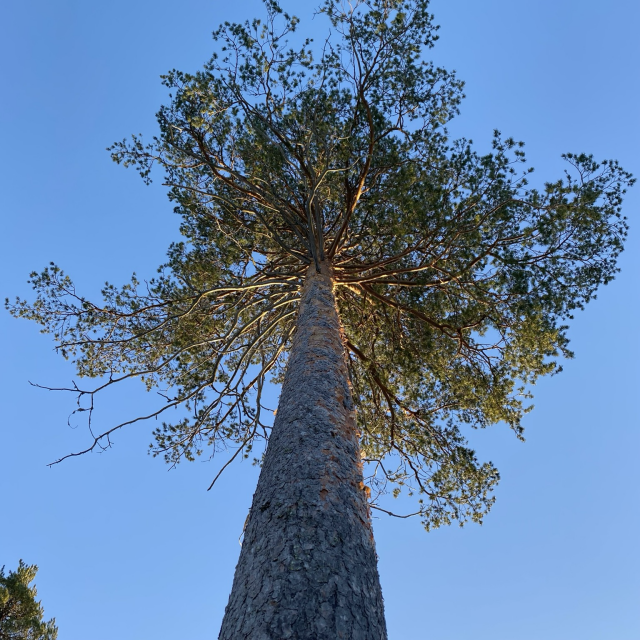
x=454, y=276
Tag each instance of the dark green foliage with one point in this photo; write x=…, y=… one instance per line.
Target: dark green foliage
x=20, y=613
x=454, y=277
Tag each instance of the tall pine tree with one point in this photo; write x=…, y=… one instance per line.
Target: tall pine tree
x=20, y=612
x=401, y=286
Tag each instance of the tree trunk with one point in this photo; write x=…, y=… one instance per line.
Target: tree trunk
x=307, y=568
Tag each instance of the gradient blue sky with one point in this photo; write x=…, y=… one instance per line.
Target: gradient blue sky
x=129, y=550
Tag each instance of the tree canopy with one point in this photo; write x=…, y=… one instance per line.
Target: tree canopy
x=454, y=276
x=20, y=612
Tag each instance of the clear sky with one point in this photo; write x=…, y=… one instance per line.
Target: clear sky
x=130, y=550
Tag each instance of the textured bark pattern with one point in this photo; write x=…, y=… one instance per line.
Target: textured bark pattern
x=307, y=568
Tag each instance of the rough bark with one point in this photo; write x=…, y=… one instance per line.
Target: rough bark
x=307, y=568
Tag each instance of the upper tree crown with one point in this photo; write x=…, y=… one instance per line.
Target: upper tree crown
x=453, y=277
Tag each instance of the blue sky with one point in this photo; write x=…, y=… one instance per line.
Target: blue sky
x=130, y=550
